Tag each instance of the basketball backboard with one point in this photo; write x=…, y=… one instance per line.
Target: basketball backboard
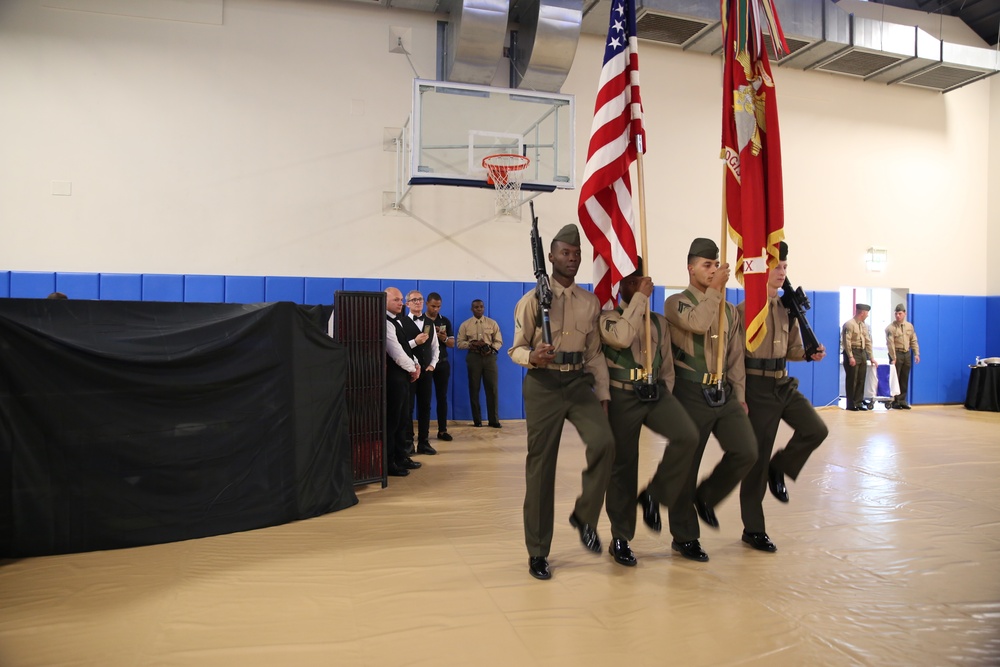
x=455, y=125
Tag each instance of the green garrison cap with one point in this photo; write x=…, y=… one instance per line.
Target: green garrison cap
x=900, y=308
x=782, y=251
x=862, y=306
x=704, y=248
x=568, y=234
x=638, y=268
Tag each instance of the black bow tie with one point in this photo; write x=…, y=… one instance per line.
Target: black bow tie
x=417, y=317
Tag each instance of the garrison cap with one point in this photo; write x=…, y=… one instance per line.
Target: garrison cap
x=900, y=308
x=568, y=234
x=638, y=269
x=782, y=251
x=862, y=306
x=704, y=248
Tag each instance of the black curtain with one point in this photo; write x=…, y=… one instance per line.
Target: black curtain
x=132, y=423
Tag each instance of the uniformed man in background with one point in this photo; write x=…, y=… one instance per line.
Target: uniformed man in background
x=772, y=396
x=856, y=339
x=900, y=340
x=567, y=380
x=695, y=335
x=623, y=332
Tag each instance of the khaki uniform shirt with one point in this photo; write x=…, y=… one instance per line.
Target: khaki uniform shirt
x=627, y=330
x=694, y=330
x=573, y=319
x=483, y=329
x=854, y=334
x=783, y=339
x=901, y=336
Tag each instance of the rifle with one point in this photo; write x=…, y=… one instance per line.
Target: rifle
x=542, y=290
x=797, y=303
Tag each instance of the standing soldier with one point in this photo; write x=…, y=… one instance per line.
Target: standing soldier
x=772, y=396
x=623, y=335
x=480, y=335
x=567, y=379
x=856, y=340
x=695, y=335
x=900, y=338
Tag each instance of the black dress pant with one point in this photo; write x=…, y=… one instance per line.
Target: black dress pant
x=420, y=396
x=397, y=420
x=442, y=373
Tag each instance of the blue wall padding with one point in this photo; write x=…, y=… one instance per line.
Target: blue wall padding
x=4, y=284
x=283, y=288
x=973, y=338
x=992, y=343
x=503, y=298
x=363, y=285
x=244, y=289
x=925, y=382
x=320, y=291
x=826, y=325
x=32, y=284
x=952, y=367
x=204, y=289
x=121, y=287
x=160, y=287
x=79, y=285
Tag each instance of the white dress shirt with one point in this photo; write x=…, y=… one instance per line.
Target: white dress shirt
x=394, y=349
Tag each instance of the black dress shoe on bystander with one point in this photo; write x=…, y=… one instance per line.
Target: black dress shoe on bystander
x=477, y=424
x=539, y=567
x=650, y=511
x=397, y=471
x=691, y=550
x=444, y=435
x=776, y=482
x=425, y=448
x=409, y=464
x=587, y=534
x=852, y=408
x=622, y=552
x=706, y=513
x=495, y=425
x=759, y=541
x=904, y=406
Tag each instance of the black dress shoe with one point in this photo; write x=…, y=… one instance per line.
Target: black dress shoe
x=495, y=425
x=706, y=513
x=587, y=534
x=759, y=541
x=905, y=406
x=622, y=552
x=539, y=567
x=776, y=482
x=396, y=471
x=650, y=511
x=425, y=448
x=409, y=464
x=852, y=408
x=444, y=435
x=690, y=550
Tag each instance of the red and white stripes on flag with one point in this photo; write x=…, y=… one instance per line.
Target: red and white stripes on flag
x=616, y=138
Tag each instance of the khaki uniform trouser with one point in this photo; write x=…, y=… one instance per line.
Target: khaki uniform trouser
x=666, y=417
x=550, y=399
x=771, y=400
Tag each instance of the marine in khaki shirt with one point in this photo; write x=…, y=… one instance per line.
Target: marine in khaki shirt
x=772, y=397
x=567, y=380
x=695, y=337
x=623, y=332
x=856, y=340
x=900, y=340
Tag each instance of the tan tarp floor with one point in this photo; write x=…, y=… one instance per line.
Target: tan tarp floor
x=888, y=554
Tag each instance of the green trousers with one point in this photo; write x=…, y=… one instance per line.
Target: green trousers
x=666, y=417
x=550, y=398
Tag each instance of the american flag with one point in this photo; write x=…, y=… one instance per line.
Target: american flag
x=616, y=137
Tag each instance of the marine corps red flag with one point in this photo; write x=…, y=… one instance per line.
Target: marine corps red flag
x=752, y=151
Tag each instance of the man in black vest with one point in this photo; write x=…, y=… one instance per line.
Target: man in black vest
x=400, y=372
x=442, y=371
x=425, y=351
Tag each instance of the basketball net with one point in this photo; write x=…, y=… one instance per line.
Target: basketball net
x=505, y=171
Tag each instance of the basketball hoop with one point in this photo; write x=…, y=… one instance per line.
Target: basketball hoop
x=505, y=171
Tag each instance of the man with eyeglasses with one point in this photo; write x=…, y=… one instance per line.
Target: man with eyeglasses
x=425, y=349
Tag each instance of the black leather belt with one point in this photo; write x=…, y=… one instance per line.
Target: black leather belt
x=765, y=364
x=561, y=358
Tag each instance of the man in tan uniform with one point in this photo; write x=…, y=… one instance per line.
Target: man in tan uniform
x=695, y=337
x=567, y=379
x=481, y=336
x=856, y=339
x=773, y=396
x=900, y=339
x=623, y=333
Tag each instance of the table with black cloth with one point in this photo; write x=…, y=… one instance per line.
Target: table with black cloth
x=132, y=423
x=984, y=388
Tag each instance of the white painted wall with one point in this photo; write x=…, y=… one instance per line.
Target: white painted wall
x=255, y=147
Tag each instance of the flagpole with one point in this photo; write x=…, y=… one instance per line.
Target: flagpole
x=722, y=260
x=645, y=255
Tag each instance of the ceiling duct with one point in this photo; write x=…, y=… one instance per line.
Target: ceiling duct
x=547, y=36
x=960, y=65
x=476, y=34
x=862, y=47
